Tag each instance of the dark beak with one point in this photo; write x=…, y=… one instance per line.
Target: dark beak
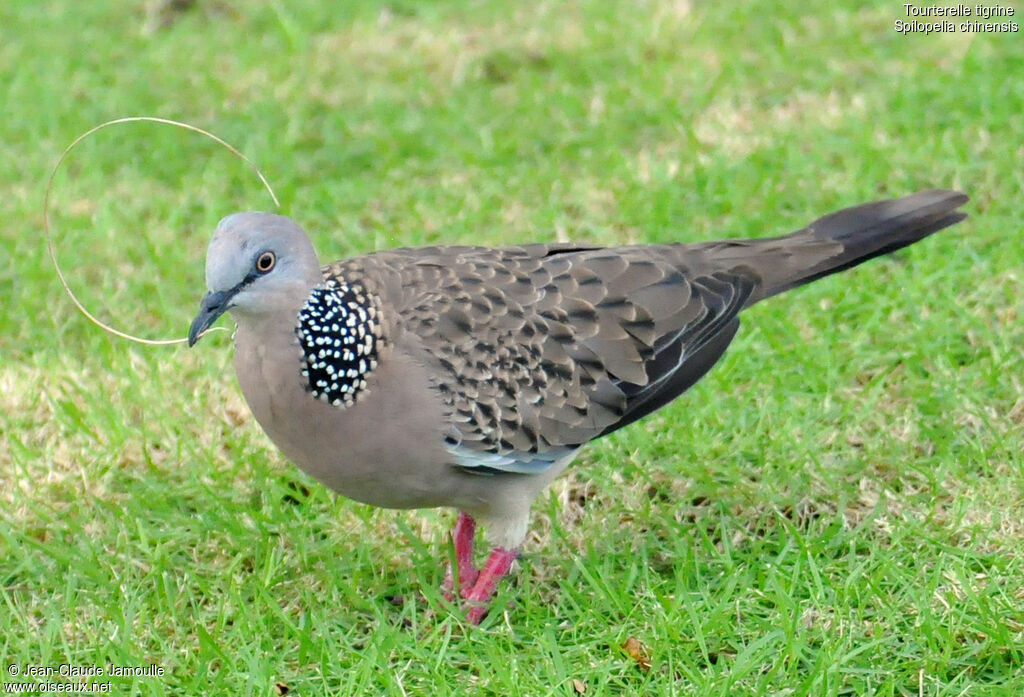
x=212, y=306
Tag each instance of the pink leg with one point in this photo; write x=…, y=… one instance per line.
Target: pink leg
x=462, y=536
x=480, y=596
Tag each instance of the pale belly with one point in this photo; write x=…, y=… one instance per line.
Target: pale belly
x=386, y=450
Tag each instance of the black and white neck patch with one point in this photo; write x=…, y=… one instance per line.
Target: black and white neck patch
x=340, y=335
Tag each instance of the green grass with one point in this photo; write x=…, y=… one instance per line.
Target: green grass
x=835, y=510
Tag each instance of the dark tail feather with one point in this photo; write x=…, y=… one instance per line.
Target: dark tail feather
x=851, y=236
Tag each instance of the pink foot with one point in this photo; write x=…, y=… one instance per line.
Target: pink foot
x=480, y=595
x=462, y=536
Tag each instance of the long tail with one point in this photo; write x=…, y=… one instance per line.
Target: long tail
x=846, y=238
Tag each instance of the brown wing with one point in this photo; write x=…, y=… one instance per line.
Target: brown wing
x=541, y=348
x=538, y=349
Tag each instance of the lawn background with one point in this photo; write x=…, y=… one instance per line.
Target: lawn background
x=834, y=510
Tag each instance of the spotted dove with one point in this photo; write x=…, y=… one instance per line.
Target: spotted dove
x=469, y=377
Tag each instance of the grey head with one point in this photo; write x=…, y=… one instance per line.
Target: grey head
x=256, y=264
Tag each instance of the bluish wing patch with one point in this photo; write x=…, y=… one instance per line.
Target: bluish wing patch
x=478, y=462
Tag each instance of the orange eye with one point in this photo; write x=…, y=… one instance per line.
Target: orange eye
x=265, y=262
